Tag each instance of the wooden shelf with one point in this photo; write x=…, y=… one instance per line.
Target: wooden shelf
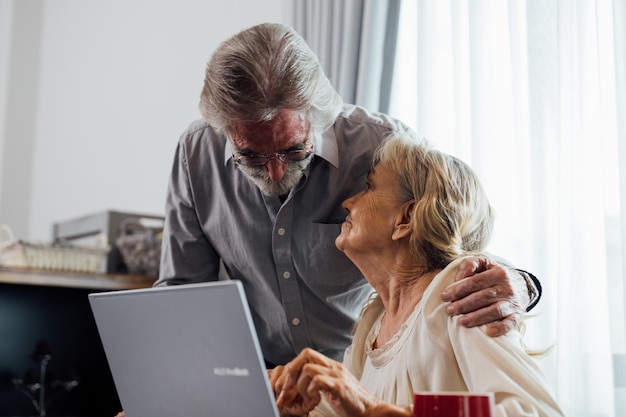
x=74, y=279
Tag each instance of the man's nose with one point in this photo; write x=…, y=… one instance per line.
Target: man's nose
x=276, y=168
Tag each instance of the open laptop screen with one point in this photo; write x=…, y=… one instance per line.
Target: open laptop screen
x=185, y=350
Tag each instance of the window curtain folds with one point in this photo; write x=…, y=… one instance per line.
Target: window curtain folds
x=619, y=27
x=355, y=43
x=532, y=95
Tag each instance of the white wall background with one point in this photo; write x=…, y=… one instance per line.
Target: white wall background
x=6, y=11
x=94, y=95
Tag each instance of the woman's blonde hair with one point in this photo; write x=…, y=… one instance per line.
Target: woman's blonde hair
x=452, y=216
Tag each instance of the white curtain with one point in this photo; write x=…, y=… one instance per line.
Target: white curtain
x=355, y=43
x=533, y=95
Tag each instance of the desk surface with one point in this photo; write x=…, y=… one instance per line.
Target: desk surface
x=74, y=279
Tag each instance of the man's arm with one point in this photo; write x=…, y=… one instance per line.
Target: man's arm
x=186, y=254
x=486, y=292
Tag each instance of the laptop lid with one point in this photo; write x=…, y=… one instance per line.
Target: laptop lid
x=184, y=350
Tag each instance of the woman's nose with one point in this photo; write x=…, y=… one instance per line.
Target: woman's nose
x=347, y=203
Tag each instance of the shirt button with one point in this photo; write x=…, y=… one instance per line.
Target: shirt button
x=281, y=231
x=286, y=275
x=295, y=321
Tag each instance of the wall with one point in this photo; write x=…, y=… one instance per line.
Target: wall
x=97, y=95
x=6, y=11
x=22, y=26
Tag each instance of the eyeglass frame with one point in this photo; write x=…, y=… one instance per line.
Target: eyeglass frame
x=276, y=155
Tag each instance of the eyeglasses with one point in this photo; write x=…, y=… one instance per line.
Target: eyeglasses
x=257, y=159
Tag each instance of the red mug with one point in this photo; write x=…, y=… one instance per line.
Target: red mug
x=453, y=404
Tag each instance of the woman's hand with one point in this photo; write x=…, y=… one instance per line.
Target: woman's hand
x=291, y=403
x=303, y=381
x=487, y=293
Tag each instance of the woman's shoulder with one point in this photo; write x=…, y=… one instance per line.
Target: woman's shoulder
x=433, y=308
x=443, y=279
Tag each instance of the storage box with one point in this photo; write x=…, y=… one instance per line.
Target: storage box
x=108, y=224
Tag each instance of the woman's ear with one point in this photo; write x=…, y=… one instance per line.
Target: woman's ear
x=403, y=226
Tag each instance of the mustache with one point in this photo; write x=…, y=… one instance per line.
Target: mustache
x=290, y=179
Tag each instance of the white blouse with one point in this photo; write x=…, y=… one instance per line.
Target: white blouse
x=433, y=352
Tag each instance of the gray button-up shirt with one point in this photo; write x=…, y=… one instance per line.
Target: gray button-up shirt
x=302, y=291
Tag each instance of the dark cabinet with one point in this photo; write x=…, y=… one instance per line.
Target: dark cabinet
x=53, y=309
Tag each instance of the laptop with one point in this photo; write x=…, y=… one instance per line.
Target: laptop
x=184, y=350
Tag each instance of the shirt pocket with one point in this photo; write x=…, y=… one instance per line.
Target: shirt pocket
x=326, y=266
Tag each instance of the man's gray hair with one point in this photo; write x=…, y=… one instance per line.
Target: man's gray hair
x=261, y=70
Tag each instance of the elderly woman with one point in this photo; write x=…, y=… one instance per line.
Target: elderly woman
x=420, y=213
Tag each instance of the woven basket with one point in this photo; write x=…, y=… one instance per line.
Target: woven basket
x=140, y=247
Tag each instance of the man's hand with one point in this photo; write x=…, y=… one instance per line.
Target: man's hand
x=487, y=293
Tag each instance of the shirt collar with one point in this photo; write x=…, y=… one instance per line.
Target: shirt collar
x=325, y=147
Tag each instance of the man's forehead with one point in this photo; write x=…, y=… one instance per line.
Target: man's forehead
x=286, y=129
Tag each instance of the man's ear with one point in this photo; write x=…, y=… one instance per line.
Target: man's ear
x=402, y=227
